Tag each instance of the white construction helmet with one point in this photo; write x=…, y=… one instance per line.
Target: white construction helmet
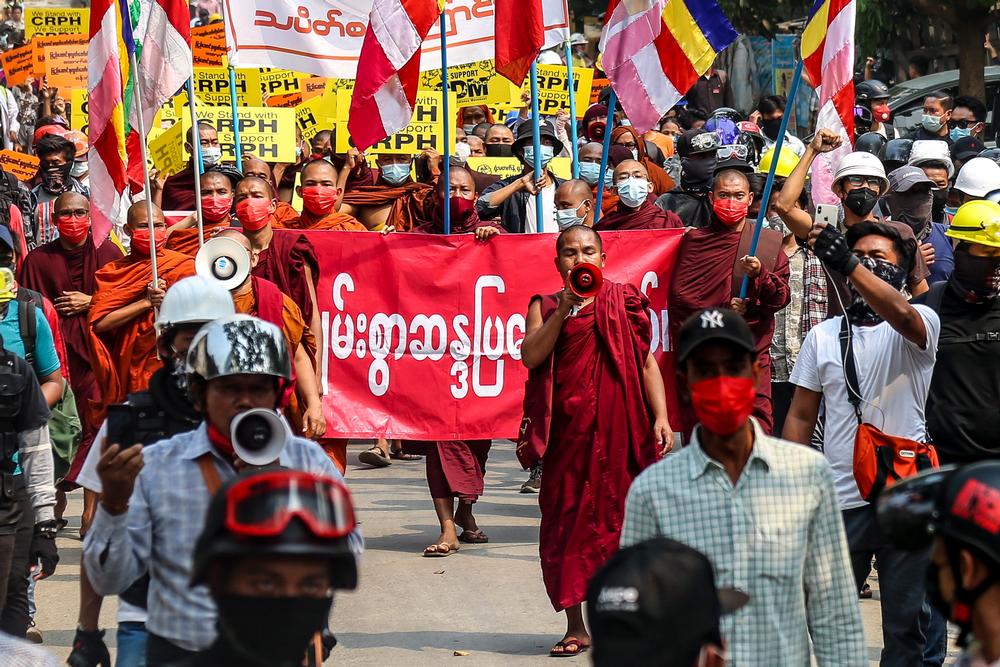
x=862, y=163
x=931, y=150
x=978, y=177
x=194, y=300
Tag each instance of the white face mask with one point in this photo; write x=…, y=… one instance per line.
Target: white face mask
x=78, y=169
x=462, y=151
x=567, y=217
x=210, y=155
x=468, y=129
x=635, y=153
x=633, y=191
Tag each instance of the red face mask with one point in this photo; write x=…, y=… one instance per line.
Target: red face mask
x=723, y=404
x=730, y=211
x=461, y=208
x=216, y=209
x=254, y=213
x=881, y=113
x=73, y=228
x=319, y=199
x=140, y=240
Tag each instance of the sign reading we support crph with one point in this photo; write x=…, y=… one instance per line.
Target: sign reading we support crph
x=266, y=133
x=44, y=21
x=425, y=131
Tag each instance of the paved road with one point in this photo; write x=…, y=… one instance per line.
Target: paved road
x=486, y=600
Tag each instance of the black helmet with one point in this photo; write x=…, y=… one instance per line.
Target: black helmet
x=727, y=112
x=991, y=154
x=863, y=120
x=896, y=153
x=871, y=89
x=279, y=511
x=871, y=142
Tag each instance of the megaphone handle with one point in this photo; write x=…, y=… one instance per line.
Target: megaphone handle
x=573, y=311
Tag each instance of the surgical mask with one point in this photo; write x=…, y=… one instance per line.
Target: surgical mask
x=216, y=209
x=633, y=191
x=73, y=228
x=499, y=150
x=78, y=169
x=591, y=171
x=567, y=217
x=859, y=312
x=861, y=201
x=723, y=404
x=395, y=173
x=931, y=123
x=635, y=153
x=957, y=133
x=319, y=199
x=468, y=129
x=271, y=630
x=529, y=155
x=210, y=155
x=254, y=213
x=697, y=175
x=978, y=277
x=141, y=240
x=730, y=211
x=462, y=152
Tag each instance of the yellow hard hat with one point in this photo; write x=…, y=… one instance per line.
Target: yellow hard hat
x=977, y=222
x=787, y=162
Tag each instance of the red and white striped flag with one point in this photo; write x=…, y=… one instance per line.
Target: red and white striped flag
x=520, y=35
x=389, y=68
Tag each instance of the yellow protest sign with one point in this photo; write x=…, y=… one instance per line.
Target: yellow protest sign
x=66, y=66
x=472, y=84
x=425, y=131
x=24, y=167
x=281, y=88
x=79, y=116
x=552, y=93
x=208, y=45
x=502, y=167
x=319, y=113
x=334, y=86
x=18, y=64
x=166, y=116
x=264, y=132
x=211, y=86
x=167, y=151
x=43, y=21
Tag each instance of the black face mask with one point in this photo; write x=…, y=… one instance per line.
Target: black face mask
x=940, y=201
x=859, y=313
x=271, y=631
x=697, y=175
x=770, y=128
x=54, y=178
x=978, y=278
x=499, y=150
x=913, y=209
x=861, y=201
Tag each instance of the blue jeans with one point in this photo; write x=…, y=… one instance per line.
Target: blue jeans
x=131, y=640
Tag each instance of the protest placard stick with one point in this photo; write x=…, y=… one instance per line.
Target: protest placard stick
x=571, y=89
x=769, y=183
x=612, y=103
x=137, y=96
x=536, y=141
x=445, y=158
x=237, y=145
x=196, y=156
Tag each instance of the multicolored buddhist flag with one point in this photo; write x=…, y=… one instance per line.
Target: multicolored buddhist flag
x=389, y=68
x=653, y=51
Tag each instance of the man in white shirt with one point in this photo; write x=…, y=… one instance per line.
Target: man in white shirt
x=893, y=344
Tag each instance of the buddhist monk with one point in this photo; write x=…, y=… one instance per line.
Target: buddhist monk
x=122, y=338
x=596, y=415
x=319, y=191
x=637, y=207
x=217, y=190
x=574, y=204
x=626, y=136
x=391, y=198
x=709, y=271
x=590, y=171
x=286, y=258
x=178, y=190
x=283, y=211
x=63, y=272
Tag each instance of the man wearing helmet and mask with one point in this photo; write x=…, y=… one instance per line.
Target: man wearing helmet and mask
x=166, y=410
x=874, y=96
x=955, y=512
x=150, y=515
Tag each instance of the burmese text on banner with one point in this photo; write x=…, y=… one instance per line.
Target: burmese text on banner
x=324, y=38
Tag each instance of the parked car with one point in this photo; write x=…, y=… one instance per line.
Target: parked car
x=906, y=99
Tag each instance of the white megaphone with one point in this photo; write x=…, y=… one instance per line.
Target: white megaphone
x=225, y=260
x=259, y=436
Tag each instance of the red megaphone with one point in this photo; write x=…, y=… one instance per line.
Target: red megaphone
x=585, y=280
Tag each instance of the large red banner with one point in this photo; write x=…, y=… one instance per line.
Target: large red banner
x=423, y=333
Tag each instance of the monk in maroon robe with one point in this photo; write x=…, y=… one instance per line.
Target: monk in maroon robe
x=708, y=274
x=63, y=272
x=637, y=207
x=177, y=192
x=595, y=413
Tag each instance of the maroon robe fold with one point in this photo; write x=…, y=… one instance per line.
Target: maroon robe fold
x=178, y=191
x=703, y=278
x=647, y=216
x=284, y=262
x=599, y=440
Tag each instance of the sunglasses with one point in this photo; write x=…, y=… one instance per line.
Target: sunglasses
x=263, y=505
x=962, y=124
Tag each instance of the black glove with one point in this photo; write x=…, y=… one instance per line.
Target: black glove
x=43, y=547
x=89, y=650
x=832, y=249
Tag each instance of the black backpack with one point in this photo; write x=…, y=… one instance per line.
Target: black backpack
x=27, y=320
x=13, y=193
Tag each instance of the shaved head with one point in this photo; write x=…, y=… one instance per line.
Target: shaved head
x=632, y=168
x=591, y=151
x=136, y=216
x=70, y=201
x=568, y=233
x=257, y=167
x=251, y=186
x=237, y=236
x=319, y=170
x=575, y=188
x=727, y=176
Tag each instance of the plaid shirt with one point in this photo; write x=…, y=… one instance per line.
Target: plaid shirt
x=776, y=534
x=165, y=517
x=806, y=308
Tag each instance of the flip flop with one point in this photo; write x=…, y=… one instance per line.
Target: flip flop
x=473, y=537
x=577, y=646
x=436, y=551
x=399, y=455
x=374, y=457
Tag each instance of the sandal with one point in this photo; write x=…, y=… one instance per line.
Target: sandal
x=375, y=458
x=473, y=537
x=440, y=550
x=570, y=648
x=399, y=455
x=866, y=592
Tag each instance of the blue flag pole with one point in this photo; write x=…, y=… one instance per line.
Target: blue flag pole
x=537, y=143
x=238, y=145
x=445, y=157
x=571, y=89
x=769, y=183
x=612, y=103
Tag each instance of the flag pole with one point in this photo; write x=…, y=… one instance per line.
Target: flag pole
x=136, y=92
x=237, y=145
x=769, y=183
x=571, y=89
x=537, y=143
x=445, y=156
x=612, y=103
x=196, y=156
